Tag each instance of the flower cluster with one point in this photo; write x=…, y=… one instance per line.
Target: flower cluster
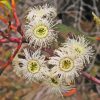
x=40, y=25
x=67, y=61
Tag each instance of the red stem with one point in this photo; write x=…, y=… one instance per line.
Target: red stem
x=6, y=22
x=11, y=58
x=15, y=39
x=3, y=40
x=18, y=24
x=95, y=80
x=15, y=14
x=11, y=39
x=13, y=27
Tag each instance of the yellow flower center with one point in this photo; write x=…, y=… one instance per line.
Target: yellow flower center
x=41, y=31
x=33, y=66
x=78, y=49
x=66, y=64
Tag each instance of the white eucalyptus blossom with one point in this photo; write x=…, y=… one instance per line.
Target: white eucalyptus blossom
x=56, y=85
x=41, y=11
x=40, y=32
x=81, y=47
x=33, y=67
x=53, y=83
x=66, y=65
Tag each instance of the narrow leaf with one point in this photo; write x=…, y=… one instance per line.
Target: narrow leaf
x=3, y=19
x=6, y=3
x=67, y=29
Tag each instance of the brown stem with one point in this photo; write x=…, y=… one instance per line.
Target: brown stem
x=92, y=78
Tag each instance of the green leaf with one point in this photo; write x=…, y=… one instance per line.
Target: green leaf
x=6, y=3
x=66, y=29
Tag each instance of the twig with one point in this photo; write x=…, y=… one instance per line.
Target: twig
x=92, y=64
x=3, y=40
x=92, y=78
x=7, y=37
x=14, y=13
x=11, y=39
x=11, y=58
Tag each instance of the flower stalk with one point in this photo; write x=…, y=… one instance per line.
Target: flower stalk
x=92, y=78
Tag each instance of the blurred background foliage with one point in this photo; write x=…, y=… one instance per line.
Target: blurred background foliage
x=76, y=15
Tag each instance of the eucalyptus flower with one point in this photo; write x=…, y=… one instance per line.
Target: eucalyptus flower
x=41, y=11
x=66, y=65
x=81, y=47
x=53, y=84
x=33, y=66
x=40, y=32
